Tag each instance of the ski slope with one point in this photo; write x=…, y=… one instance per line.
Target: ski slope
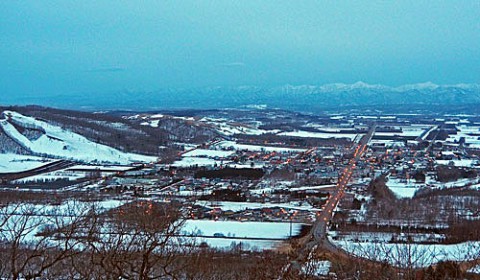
x=60, y=143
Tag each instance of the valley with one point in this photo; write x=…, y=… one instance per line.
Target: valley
x=307, y=187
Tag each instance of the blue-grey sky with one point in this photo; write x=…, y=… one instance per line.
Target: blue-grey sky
x=71, y=47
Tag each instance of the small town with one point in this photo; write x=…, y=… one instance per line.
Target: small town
x=347, y=182
x=242, y=140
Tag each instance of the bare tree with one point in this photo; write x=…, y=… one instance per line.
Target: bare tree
x=36, y=238
x=139, y=241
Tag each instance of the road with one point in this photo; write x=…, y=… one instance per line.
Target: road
x=49, y=167
x=205, y=146
x=432, y=142
x=324, y=217
x=317, y=235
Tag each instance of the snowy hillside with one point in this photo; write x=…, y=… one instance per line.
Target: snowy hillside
x=42, y=138
x=222, y=126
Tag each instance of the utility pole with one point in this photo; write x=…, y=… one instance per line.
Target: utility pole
x=291, y=220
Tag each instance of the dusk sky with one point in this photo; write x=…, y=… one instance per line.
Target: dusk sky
x=73, y=47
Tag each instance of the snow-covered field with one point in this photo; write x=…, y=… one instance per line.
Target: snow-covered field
x=241, y=229
x=459, y=162
x=233, y=229
x=58, y=142
x=203, y=157
x=104, y=168
x=224, y=126
x=51, y=176
x=228, y=128
x=322, y=135
x=418, y=255
x=200, y=161
x=402, y=189
x=312, y=188
x=19, y=163
x=406, y=189
x=208, y=153
x=154, y=120
x=410, y=131
x=251, y=164
x=467, y=132
x=255, y=148
x=74, y=173
x=230, y=243
x=241, y=206
x=456, y=184
x=386, y=237
x=388, y=143
x=13, y=217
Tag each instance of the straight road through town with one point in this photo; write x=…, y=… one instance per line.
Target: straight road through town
x=317, y=235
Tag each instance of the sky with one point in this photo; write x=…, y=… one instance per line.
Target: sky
x=90, y=47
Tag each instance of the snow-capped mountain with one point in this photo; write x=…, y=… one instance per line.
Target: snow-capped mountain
x=362, y=94
x=293, y=97
x=37, y=137
x=330, y=96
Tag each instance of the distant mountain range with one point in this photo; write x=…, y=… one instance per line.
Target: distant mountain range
x=422, y=96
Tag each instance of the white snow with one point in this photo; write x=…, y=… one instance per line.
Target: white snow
x=13, y=216
x=241, y=229
x=415, y=131
x=255, y=148
x=417, y=255
x=454, y=184
x=51, y=176
x=459, y=162
x=208, y=153
x=467, y=132
x=233, y=231
x=403, y=189
x=203, y=157
x=241, y=206
x=475, y=269
x=222, y=125
x=316, y=268
x=388, y=143
x=429, y=131
x=256, y=164
x=246, y=244
x=105, y=168
x=200, y=161
x=229, y=128
x=58, y=142
x=312, y=188
x=323, y=135
x=19, y=163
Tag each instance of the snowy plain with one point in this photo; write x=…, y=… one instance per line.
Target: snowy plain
x=19, y=163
